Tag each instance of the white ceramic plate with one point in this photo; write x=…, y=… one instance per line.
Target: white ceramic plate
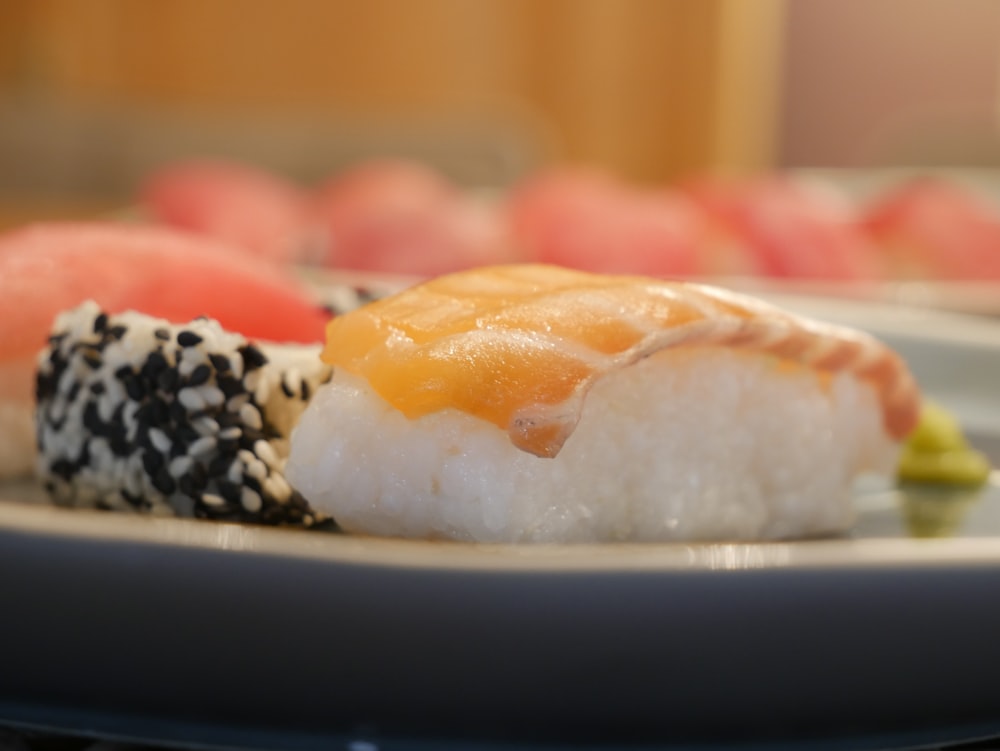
x=185, y=631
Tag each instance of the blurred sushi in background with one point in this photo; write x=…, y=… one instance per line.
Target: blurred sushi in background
x=404, y=217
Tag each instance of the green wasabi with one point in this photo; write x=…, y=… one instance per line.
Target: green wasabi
x=937, y=452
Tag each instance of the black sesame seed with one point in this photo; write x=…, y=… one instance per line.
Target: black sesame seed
x=154, y=365
x=198, y=476
x=133, y=500
x=45, y=388
x=152, y=461
x=188, y=339
x=167, y=379
x=286, y=390
x=162, y=334
x=92, y=420
x=125, y=371
x=253, y=358
x=63, y=468
x=97, y=388
x=117, y=332
x=186, y=434
x=227, y=447
x=220, y=362
x=230, y=491
x=135, y=389
x=251, y=436
x=306, y=391
x=228, y=420
x=178, y=413
x=84, y=458
x=100, y=323
x=199, y=375
x=230, y=386
x=185, y=486
x=160, y=412
x=119, y=445
x=163, y=482
x=142, y=438
x=219, y=465
x=93, y=359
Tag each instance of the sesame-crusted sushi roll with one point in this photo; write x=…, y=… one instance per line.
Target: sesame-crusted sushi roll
x=530, y=403
x=138, y=414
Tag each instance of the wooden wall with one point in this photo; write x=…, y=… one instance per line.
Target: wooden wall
x=650, y=88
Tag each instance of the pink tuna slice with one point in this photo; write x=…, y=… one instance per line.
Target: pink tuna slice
x=47, y=268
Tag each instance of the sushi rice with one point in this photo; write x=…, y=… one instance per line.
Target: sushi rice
x=743, y=448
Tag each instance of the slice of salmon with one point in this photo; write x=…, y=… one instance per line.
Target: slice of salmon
x=520, y=345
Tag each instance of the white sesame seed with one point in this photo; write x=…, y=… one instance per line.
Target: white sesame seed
x=212, y=395
x=128, y=416
x=205, y=426
x=256, y=469
x=293, y=380
x=106, y=407
x=191, y=399
x=180, y=466
x=251, y=381
x=250, y=416
x=265, y=453
x=235, y=403
x=235, y=472
x=202, y=447
x=231, y=433
x=211, y=499
x=159, y=440
x=276, y=487
x=133, y=483
x=262, y=390
x=58, y=411
x=236, y=364
x=66, y=381
x=250, y=500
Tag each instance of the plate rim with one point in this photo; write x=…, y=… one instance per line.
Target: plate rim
x=842, y=554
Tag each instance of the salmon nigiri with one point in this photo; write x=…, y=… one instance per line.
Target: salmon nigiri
x=46, y=269
x=536, y=403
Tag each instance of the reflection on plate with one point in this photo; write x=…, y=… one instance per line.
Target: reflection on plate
x=221, y=634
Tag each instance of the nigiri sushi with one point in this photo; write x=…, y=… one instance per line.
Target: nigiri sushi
x=403, y=217
x=592, y=221
x=244, y=206
x=138, y=414
x=534, y=403
x=932, y=228
x=788, y=228
x=45, y=269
